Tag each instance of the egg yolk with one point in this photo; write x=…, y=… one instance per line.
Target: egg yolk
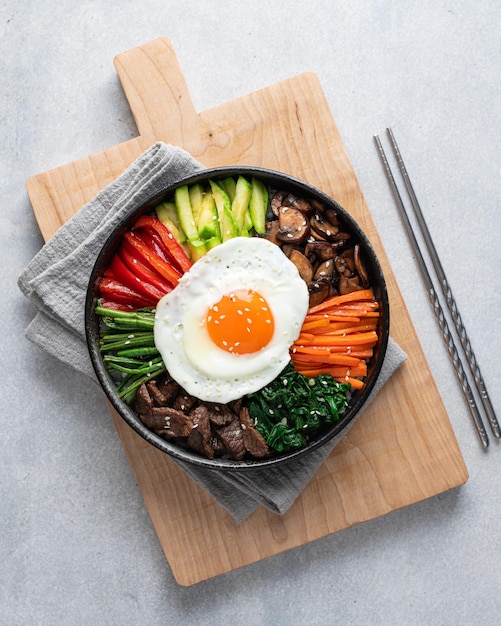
x=241, y=322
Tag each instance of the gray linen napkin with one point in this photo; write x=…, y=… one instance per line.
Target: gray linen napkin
x=55, y=281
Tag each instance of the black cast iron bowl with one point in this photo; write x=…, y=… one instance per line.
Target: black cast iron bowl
x=274, y=181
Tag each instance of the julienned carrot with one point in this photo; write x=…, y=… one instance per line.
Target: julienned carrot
x=331, y=359
x=310, y=350
x=338, y=338
x=316, y=324
x=361, y=294
x=355, y=383
x=341, y=328
x=334, y=317
x=361, y=352
x=336, y=371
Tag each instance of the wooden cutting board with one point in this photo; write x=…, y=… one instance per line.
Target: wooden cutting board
x=402, y=450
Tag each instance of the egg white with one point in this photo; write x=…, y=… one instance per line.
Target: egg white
x=203, y=369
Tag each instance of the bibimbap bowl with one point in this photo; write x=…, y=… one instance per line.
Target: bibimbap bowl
x=237, y=320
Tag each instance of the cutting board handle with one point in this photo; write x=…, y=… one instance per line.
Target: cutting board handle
x=157, y=92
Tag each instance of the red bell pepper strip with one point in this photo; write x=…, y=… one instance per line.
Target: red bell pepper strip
x=123, y=274
x=167, y=238
x=155, y=244
x=128, y=255
x=115, y=291
x=153, y=260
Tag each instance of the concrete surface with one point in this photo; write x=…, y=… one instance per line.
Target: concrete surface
x=76, y=544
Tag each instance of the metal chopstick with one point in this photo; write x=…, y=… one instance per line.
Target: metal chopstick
x=449, y=298
x=437, y=308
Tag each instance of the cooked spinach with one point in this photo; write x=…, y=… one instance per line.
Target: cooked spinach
x=293, y=407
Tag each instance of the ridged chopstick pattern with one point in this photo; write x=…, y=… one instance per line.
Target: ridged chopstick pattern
x=435, y=302
x=447, y=291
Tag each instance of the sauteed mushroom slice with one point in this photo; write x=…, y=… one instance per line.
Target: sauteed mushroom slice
x=319, y=250
x=296, y=202
x=360, y=267
x=341, y=237
x=332, y=217
x=317, y=205
x=277, y=201
x=324, y=271
x=303, y=265
x=344, y=263
x=318, y=291
x=349, y=284
x=272, y=229
x=294, y=227
x=323, y=227
x=316, y=236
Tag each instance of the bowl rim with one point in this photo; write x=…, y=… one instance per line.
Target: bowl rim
x=184, y=455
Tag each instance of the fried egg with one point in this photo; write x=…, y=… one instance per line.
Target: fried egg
x=226, y=328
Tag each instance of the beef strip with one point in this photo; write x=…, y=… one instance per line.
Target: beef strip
x=220, y=414
x=143, y=402
x=176, y=423
x=156, y=395
x=200, y=436
x=232, y=438
x=168, y=387
x=184, y=402
x=254, y=442
x=210, y=429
